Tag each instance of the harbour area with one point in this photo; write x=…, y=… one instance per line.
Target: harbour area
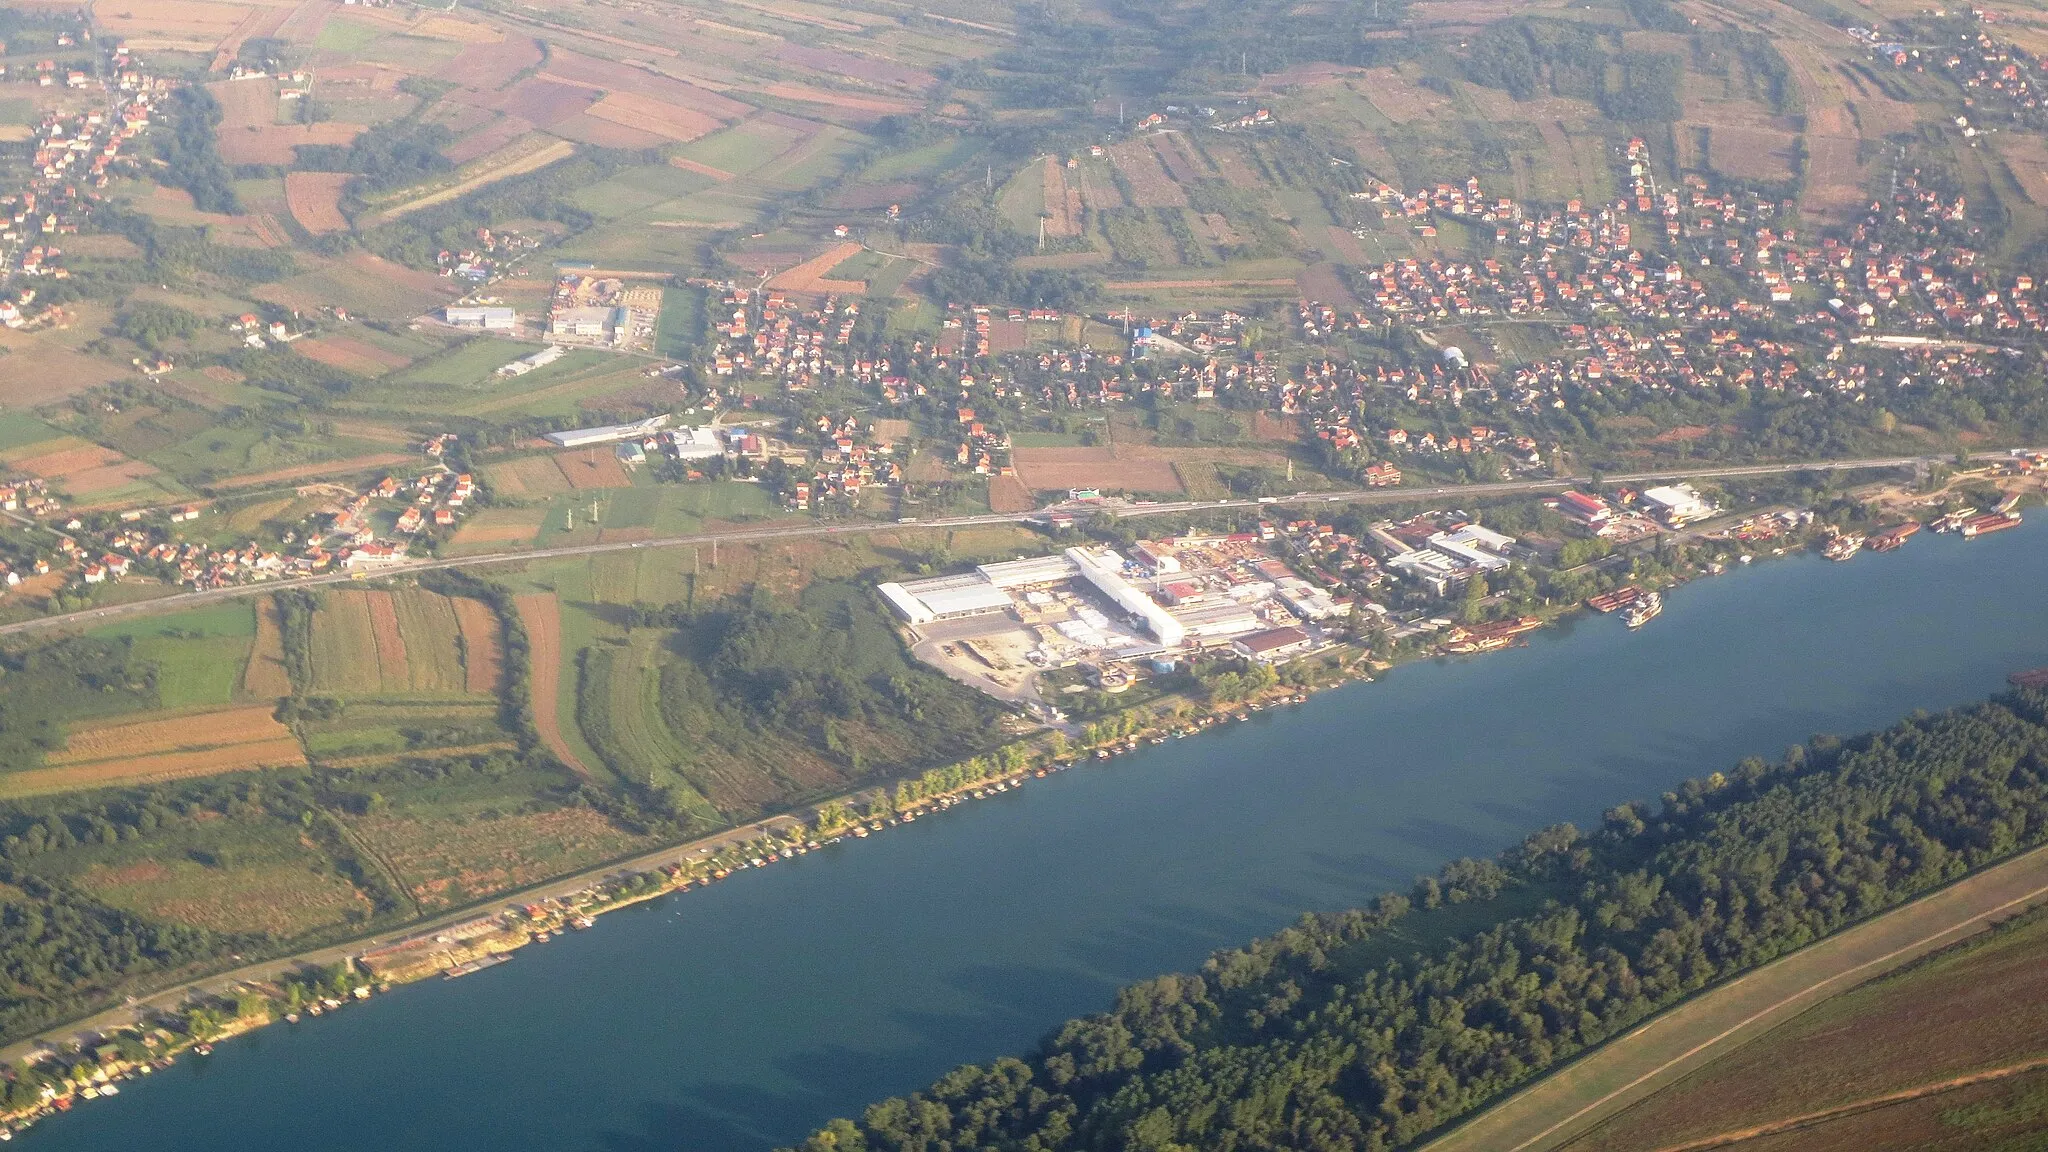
x=748, y=1009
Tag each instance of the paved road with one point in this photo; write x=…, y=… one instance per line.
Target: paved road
x=1173, y=508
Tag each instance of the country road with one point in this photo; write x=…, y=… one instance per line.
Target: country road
x=1178, y=507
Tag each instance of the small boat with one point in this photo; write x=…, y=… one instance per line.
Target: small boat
x=542, y=937
x=291, y=1017
x=111, y=1090
x=1844, y=546
x=1643, y=611
x=203, y=1048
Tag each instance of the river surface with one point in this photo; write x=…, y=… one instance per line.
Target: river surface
x=743, y=1015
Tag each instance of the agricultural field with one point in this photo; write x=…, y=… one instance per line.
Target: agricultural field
x=222, y=876
x=199, y=654
x=380, y=643
x=1110, y=469
x=1978, y=1008
x=447, y=861
x=160, y=748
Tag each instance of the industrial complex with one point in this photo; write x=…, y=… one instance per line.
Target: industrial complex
x=1146, y=608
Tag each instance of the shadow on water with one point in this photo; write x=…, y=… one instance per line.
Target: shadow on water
x=1443, y=839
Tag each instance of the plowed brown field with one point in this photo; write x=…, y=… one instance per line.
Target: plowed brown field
x=598, y=468
x=1043, y=469
x=279, y=753
x=647, y=114
x=315, y=200
x=542, y=616
x=198, y=730
x=266, y=674
x=392, y=664
x=481, y=659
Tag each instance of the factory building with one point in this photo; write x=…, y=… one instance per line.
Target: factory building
x=607, y=434
x=1106, y=577
x=1677, y=504
x=488, y=319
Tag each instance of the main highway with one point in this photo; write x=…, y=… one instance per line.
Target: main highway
x=1080, y=508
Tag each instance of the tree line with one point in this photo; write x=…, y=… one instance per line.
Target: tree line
x=1341, y=1033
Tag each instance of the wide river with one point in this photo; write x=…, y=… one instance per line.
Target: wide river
x=742, y=1015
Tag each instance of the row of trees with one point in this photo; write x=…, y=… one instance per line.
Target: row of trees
x=1335, y=1035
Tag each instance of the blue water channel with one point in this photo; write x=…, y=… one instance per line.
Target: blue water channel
x=744, y=1015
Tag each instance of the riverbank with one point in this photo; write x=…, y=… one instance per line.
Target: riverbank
x=1159, y=724
x=745, y=1014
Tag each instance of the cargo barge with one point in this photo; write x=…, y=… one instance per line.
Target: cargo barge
x=1986, y=525
x=491, y=961
x=1616, y=600
x=1890, y=539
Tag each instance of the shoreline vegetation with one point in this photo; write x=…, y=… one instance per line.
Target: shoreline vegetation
x=1376, y=1027
x=188, y=1021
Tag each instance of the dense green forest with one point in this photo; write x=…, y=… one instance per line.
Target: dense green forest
x=1370, y=1028
x=190, y=155
x=385, y=157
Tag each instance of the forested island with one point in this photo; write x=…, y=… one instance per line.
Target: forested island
x=1371, y=1028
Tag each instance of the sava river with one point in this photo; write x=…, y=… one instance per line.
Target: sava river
x=743, y=1015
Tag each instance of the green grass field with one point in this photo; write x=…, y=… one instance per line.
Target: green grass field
x=464, y=365
x=683, y=318
x=18, y=429
x=221, y=452
x=741, y=149
x=199, y=654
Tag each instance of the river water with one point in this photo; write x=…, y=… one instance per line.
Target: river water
x=743, y=1015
